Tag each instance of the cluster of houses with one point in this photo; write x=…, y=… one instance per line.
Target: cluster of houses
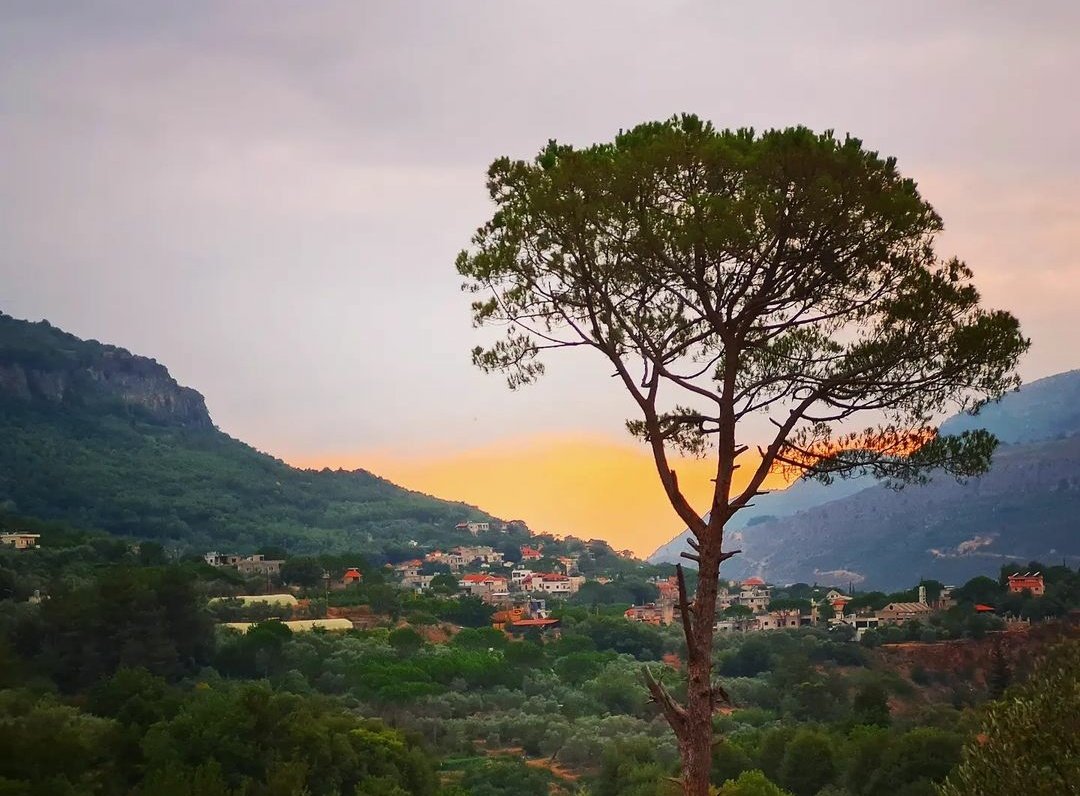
x=477, y=527
x=485, y=581
x=755, y=596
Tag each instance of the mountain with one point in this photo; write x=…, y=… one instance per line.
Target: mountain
x=1025, y=508
x=107, y=440
x=1045, y=409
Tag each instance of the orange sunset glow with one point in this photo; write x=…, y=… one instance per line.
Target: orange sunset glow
x=592, y=487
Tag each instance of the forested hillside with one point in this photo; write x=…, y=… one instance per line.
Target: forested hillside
x=104, y=439
x=114, y=680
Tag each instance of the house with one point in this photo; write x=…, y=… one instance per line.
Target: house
x=669, y=589
x=352, y=577
x=418, y=582
x=553, y=583
x=501, y=620
x=216, y=559
x=455, y=560
x=530, y=553
x=838, y=602
x=752, y=593
x=569, y=564
x=544, y=626
x=259, y=565
x=483, y=585
x=518, y=577
x=861, y=623
x=20, y=541
x=483, y=553
x=473, y=527
x=650, y=614
x=1029, y=581
x=779, y=620
x=408, y=569
x=899, y=613
x=736, y=625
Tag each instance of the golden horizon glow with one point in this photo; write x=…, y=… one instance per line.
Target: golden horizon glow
x=585, y=486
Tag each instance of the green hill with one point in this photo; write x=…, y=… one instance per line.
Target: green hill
x=106, y=440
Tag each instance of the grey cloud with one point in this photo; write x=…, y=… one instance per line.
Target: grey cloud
x=268, y=196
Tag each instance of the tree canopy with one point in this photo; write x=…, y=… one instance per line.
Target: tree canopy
x=725, y=275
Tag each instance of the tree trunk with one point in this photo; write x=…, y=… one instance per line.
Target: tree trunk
x=695, y=740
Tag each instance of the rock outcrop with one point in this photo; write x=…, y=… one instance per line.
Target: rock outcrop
x=42, y=364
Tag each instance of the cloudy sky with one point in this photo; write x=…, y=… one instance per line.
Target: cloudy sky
x=268, y=196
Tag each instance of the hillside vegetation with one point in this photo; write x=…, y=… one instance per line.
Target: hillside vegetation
x=103, y=439
x=120, y=683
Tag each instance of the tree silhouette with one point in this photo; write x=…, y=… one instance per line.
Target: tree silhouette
x=725, y=276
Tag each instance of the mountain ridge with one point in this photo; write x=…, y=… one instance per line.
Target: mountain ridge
x=108, y=440
x=1039, y=425
x=39, y=362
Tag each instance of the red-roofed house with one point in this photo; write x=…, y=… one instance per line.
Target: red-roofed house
x=483, y=585
x=352, y=576
x=752, y=593
x=651, y=614
x=1029, y=581
x=530, y=553
x=545, y=626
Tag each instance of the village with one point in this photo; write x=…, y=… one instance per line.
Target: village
x=524, y=592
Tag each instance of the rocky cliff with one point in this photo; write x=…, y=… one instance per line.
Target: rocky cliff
x=40, y=364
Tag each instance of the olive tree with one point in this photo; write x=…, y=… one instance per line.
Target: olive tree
x=726, y=277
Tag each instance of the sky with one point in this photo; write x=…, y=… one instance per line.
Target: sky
x=267, y=197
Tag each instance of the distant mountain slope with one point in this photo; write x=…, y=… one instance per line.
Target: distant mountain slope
x=801, y=495
x=1045, y=409
x=1028, y=506
x=104, y=439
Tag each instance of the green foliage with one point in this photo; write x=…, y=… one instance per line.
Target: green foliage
x=979, y=589
x=729, y=761
x=631, y=768
x=642, y=641
x=405, y=640
x=505, y=777
x=51, y=749
x=804, y=702
x=752, y=657
x=677, y=244
x=919, y=758
x=808, y=763
x=259, y=738
x=750, y=783
x=1028, y=741
x=738, y=612
x=256, y=653
x=150, y=618
x=623, y=592
x=444, y=583
x=871, y=706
